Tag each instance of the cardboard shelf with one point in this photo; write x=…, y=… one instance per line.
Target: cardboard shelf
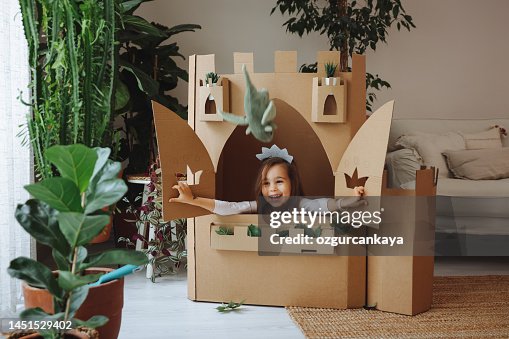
x=328, y=103
x=239, y=241
x=212, y=99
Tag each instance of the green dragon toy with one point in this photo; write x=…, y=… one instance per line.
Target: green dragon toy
x=260, y=112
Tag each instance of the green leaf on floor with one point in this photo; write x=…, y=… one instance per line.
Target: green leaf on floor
x=231, y=306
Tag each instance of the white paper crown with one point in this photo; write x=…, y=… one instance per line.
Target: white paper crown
x=275, y=152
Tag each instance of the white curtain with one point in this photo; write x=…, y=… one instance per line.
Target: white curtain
x=15, y=160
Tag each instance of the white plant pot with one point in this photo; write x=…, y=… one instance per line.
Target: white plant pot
x=330, y=81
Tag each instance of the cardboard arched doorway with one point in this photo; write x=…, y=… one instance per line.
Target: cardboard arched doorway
x=238, y=165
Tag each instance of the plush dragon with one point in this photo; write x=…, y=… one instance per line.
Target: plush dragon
x=260, y=112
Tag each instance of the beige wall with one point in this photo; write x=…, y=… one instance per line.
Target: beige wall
x=455, y=64
x=231, y=26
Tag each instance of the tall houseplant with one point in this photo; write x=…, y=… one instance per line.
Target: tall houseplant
x=147, y=71
x=352, y=26
x=72, y=61
x=66, y=215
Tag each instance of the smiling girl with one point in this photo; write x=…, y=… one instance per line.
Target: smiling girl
x=277, y=188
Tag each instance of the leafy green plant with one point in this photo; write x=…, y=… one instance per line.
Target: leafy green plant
x=330, y=69
x=308, y=68
x=147, y=71
x=352, y=26
x=231, y=306
x=168, y=247
x=211, y=78
x=223, y=230
x=254, y=231
x=71, y=57
x=66, y=215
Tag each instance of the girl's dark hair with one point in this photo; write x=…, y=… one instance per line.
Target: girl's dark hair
x=293, y=174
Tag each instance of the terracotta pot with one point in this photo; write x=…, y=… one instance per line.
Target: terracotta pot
x=106, y=299
x=105, y=233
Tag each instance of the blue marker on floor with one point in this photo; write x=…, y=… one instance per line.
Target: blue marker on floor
x=116, y=274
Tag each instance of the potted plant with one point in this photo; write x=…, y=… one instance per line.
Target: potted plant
x=66, y=214
x=330, y=69
x=148, y=70
x=211, y=79
x=166, y=250
x=73, y=66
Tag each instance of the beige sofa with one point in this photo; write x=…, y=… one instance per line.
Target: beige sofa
x=464, y=207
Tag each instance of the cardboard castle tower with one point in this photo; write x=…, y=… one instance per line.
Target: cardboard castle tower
x=320, y=125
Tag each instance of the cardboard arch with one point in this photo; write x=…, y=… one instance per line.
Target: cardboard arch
x=238, y=165
x=365, y=154
x=189, y=157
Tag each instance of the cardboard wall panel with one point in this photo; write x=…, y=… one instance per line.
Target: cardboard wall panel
x=403, y=284
x=314, y=281
x=285, y=62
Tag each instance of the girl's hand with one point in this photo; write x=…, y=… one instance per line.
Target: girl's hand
x=359, y=191
x=354, y=201
x=185, y=193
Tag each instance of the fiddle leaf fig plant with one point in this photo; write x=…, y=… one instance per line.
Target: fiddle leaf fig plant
x=66, y=214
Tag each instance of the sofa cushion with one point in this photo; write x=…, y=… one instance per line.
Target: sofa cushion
x=401, y=166
x=431, y=146
x=440, y=125
x=485, y=139
x=481, y=164
x=473, y=188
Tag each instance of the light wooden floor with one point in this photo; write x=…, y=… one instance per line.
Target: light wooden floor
x=163, y=310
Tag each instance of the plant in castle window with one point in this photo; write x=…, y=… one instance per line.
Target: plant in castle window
x=211, y=79
x=330, y=69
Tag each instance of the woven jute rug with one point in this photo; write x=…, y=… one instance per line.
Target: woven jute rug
x=463, y=307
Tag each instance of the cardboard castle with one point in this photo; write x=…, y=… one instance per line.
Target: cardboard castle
x=325, y=128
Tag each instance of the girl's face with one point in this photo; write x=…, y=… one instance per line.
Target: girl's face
x=276, y=186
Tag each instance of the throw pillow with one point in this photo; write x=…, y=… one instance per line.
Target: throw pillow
x=401, y=166
x=431, y=146
x=485, y=139
x=481, y=164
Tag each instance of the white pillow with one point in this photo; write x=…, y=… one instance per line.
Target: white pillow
x=401, y=166
x=483, y=140
x=431, y=146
